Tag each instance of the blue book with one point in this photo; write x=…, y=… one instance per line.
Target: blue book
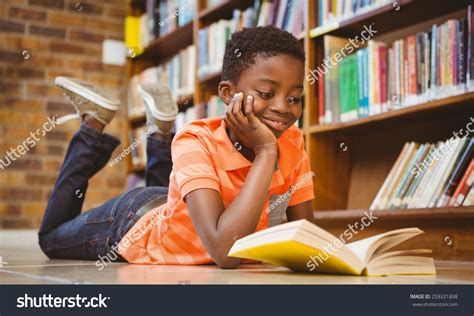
x=362, y=71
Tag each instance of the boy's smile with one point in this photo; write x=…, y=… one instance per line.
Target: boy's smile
x=276, y=83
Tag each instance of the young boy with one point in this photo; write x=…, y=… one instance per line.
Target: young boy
x=230, y=176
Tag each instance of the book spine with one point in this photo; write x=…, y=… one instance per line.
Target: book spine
x=463, y=187
x=461, y=166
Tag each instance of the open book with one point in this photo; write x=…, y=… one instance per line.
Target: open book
x=303, y=246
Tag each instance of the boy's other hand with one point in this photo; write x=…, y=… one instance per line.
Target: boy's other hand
x=250, y=131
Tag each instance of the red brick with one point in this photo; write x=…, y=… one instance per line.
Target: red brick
x=62, y=47
x=40, y=179
x=56, y=150
x=8, y=26
x=105, y=25
x=24, y=73
x=86, y=65
x=10, y=209
x=15, y=194
x=9, y=56
x=116, y=12
x=57, y=135
x=59, y=107
x=67, y=19
x=11, y=89
x=81, y=35
x=48, y=31
x=28, y=43
x=27, y=14
x=84, y=7
x=52, y=165
x=21, y=104
x=25, y=164
x=56, y=4
x=50, y=61
x=41, y=89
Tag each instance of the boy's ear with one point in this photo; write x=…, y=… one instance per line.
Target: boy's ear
x=226, y=91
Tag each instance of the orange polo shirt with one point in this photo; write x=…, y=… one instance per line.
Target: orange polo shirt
x=204, y=157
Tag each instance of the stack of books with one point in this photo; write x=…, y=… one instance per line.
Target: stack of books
x=426, y=66
x=430, y=175
x=335, y=11
x=177, y=74
x=284, y=14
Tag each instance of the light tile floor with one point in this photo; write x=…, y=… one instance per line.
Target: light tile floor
x=22, y=262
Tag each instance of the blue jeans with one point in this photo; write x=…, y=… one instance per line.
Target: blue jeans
x=67, y=233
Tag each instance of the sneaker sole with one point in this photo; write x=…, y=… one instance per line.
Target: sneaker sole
x=158, y=115
x=78, y=89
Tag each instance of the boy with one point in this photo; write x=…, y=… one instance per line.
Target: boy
x=226, y=172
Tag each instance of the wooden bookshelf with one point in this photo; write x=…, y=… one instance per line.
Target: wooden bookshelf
x=461, y=102
x=351, y=160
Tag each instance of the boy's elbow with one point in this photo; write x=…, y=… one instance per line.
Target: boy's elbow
x=227, y=263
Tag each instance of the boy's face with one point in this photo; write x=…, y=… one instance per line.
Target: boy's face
x=276, y=83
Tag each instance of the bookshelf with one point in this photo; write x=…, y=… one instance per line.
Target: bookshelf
x=352, y=159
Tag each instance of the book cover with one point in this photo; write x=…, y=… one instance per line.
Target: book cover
x=464, y=186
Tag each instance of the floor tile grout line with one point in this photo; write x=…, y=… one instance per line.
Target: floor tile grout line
x=34, y=276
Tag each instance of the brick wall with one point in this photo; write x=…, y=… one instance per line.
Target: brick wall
x=39, y=40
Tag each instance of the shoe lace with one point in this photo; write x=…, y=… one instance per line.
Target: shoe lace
x=66, y=118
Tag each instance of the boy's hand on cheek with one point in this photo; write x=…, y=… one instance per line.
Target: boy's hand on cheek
x=250, y=131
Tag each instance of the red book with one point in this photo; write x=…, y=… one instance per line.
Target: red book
x=411, y=49
x=463, y=188
x=383, y=73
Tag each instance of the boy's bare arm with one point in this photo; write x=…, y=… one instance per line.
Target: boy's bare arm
x=300, y=211
x=217, y=226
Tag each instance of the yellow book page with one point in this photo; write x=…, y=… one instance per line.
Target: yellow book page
x=296, y=256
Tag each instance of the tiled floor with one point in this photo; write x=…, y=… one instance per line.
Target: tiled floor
x=22, y=262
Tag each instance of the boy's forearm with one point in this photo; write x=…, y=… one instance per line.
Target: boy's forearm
x=242, y=215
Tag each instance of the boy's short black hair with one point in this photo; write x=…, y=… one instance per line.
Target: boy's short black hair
x=244, y=46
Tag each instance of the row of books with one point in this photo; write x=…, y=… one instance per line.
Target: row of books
x=177, y=74
x=212, y=108
x=160, y=18
x=334, y=11
x=285, y=14
x=426, y=66
x=430, y=175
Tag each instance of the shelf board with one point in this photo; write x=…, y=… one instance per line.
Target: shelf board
x=212, y=77
x=465, y=212
x=137, y=169
x=459, y=100
x=391, y=17
x=164, y=47
x=223, y=10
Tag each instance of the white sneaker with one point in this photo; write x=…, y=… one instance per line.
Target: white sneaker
x=87, y=99
x=160, y=108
